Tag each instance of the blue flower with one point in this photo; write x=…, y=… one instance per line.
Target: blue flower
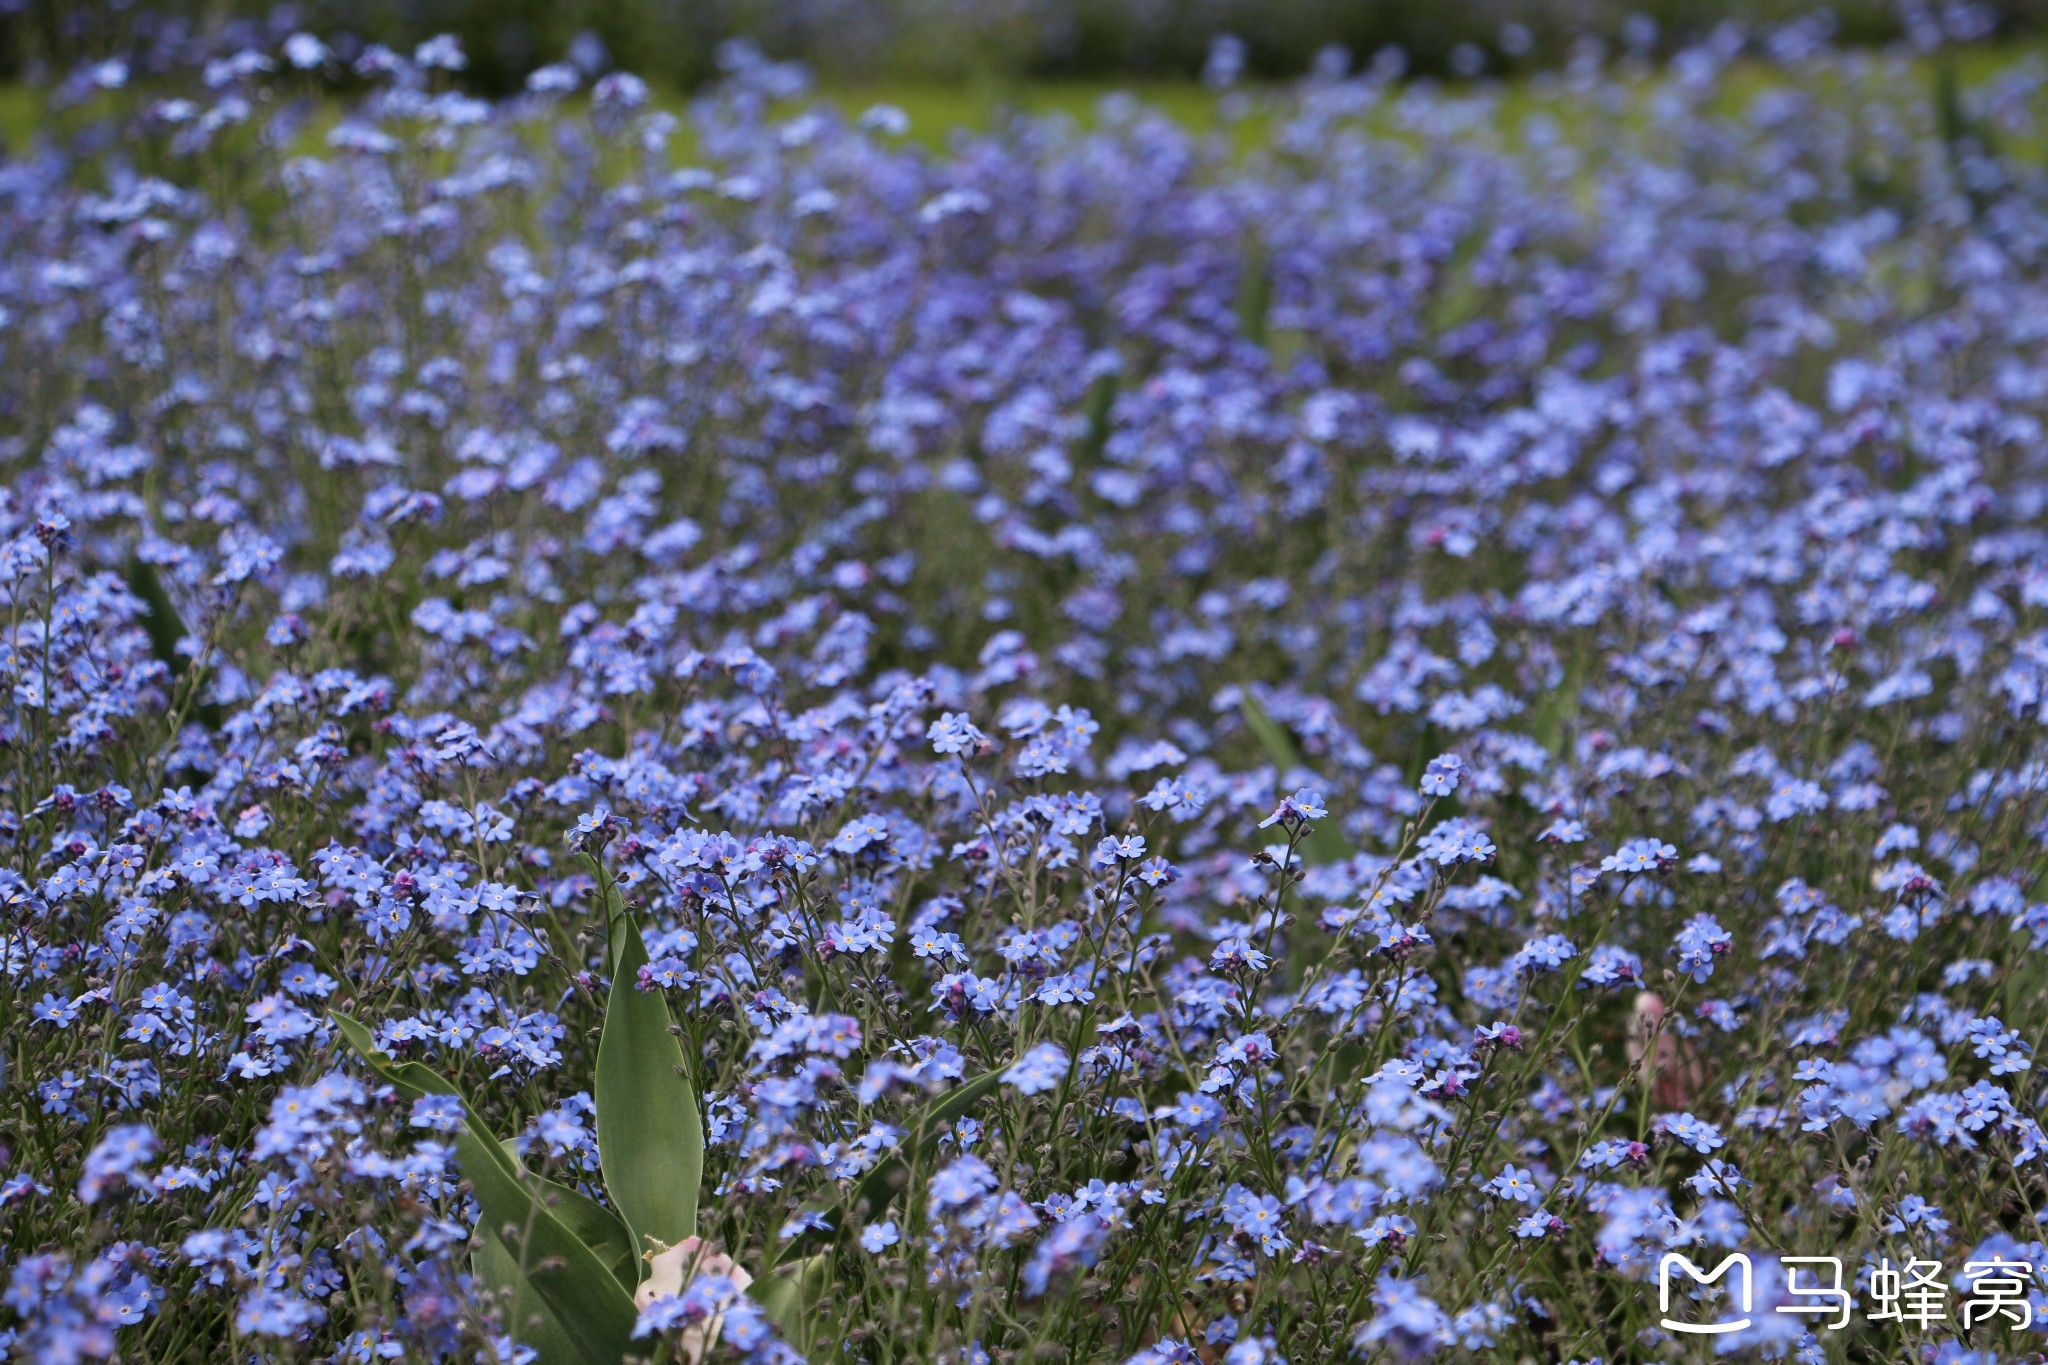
x=954, y=733
x=1514, y=1184
x=1039, y=1070
x=1297, y=810
x=1700, y=943
x=441, y=1113
x=1641, y=855
x=1690, y=1131
x=1441, y=777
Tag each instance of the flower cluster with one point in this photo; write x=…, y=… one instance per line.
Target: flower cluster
x=1410, y=713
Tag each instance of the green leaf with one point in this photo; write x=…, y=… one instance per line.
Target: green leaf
x=880, y=1185
x=1324, y=844
x=1556, y=712
x=1279, y=748
x=594, y=1225
x=526, y=1314
x=1101, y=409
x=165, y=628
x=2026, y=991
x=787, y=1296
x=650, y=1134
x=564, y=1274
x=542, y=1257
x=1254, y=291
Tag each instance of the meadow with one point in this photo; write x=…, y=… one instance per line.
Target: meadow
x=1223, y=723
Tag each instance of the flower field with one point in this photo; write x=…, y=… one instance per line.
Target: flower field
x=1380, y=724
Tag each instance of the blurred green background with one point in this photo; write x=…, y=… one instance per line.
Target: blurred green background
x=674, y=43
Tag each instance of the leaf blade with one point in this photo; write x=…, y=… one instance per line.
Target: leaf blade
x=162, y=622
x=1323, y=844
x=650, y=1134
x=565, y=1275
x=584, y=1296
x=787, y=1297
x=527, y=1316
x=597, y=1227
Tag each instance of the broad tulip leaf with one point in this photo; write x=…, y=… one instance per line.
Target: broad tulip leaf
x=1254, y=291
x=787, y=1297
x=650, y=1134
x=1324, y=844
x=166, y=629
x=526, y=1314
x=544, y=1258
x=594, y=1225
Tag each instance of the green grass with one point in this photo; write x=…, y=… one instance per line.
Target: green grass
x=936, y=111
x=939, y=112
x=21, y=113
